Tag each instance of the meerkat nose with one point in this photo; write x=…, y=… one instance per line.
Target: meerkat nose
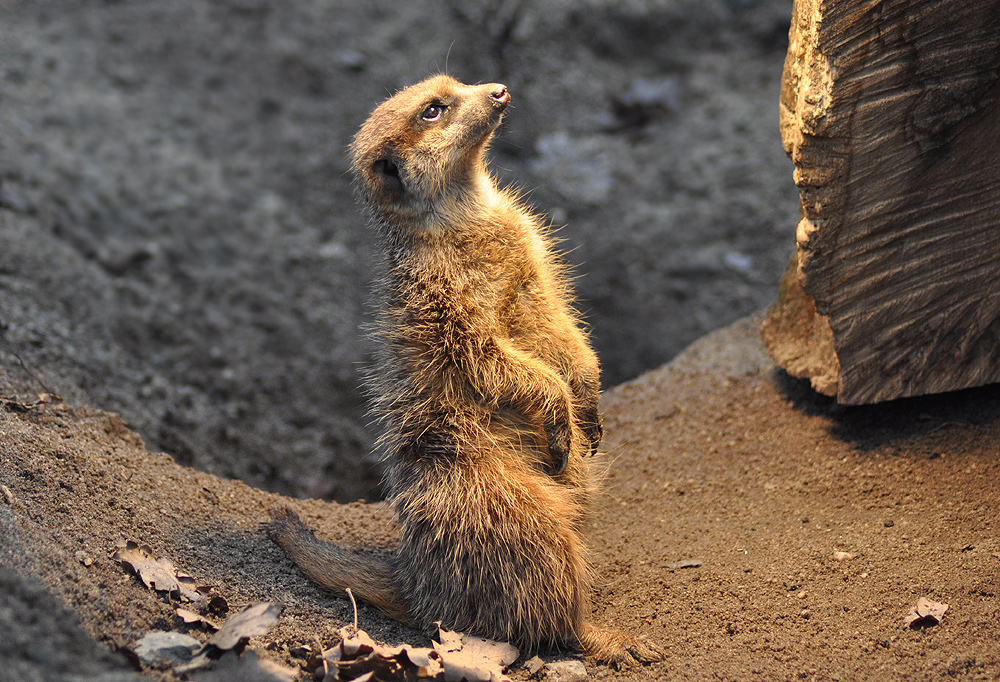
x=500, y=94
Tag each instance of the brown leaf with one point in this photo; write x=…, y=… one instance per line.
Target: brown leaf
x=158, y=574
x=474, y=659
x=925, y=613
x=192, y=618
x=250, y=622
x=359, y=657
x=187, y=587
x=685, y=563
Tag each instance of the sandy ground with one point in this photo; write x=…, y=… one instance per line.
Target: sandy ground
x=717, y=457
x=178, y=240
x=178, y=245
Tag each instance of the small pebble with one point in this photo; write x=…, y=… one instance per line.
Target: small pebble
x=565, y=671
x=533, y=665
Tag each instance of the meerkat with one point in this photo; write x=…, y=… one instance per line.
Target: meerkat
x=485, y=387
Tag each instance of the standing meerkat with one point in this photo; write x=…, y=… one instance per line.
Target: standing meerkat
x=485, y=386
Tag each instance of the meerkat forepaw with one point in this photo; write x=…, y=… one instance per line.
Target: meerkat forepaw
x=594, y=432
x=558, y=436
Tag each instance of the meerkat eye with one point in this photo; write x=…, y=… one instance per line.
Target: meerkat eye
x=433, y=111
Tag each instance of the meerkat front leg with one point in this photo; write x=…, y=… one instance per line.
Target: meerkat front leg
x=510, y=375
x=587, y=392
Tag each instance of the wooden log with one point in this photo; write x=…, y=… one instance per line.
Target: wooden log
x=890, y=111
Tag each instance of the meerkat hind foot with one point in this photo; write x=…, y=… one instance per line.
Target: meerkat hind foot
x=618, y=648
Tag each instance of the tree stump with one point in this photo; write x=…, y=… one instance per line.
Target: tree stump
x=890, y=111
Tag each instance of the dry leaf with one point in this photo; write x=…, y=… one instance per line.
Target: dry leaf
x=686, y=563
x=187, y=587
x=360, y=658
x=533, y=665
x=456, y=657
x=250, y=622
x=191, y=618
x=925, y=613
x=158, y=574
x=474, y=659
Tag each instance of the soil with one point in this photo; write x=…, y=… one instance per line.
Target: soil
x=179, y=243
x=178, y=246
x=717, y=457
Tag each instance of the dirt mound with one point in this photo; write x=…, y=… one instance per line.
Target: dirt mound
x=755, y=530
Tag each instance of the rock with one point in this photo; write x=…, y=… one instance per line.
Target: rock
x=158, y=649
x=565, y=671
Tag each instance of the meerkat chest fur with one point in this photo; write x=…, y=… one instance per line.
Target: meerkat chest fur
x=477, y=340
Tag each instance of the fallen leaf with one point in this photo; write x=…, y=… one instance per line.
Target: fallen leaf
x=217, y=604
x=925, y=613
x=254, y=621
x=187, y=587
x=686, y=563
x=359, y=657
x=191, y=618
x=158, y=574
x=159, y=649
x=474, y=659
x=533, y=665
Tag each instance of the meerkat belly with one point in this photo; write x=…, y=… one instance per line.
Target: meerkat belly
x=496, y=552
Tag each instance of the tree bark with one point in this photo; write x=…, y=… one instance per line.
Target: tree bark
x=890, y=112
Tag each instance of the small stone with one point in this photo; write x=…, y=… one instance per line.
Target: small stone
x=843, y=556
x=565, y=671
x=166, y=648
x=889, y=523
x=533, y=665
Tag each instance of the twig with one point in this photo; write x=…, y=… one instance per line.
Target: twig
x=355, y=605
x=326, y=665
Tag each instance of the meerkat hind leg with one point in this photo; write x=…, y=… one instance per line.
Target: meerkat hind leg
x=616, y=647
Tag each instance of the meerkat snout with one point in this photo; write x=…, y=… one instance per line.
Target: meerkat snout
x=499, y=93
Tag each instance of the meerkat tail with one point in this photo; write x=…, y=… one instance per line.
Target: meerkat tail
x=335, y=568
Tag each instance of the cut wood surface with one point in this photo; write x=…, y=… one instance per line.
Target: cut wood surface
x=890, y=112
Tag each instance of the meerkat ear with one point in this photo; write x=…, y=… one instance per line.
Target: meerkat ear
x=386, y=168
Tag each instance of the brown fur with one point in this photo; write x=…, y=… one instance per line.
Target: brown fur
x=485, y=387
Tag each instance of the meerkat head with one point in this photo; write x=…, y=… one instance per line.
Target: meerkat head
x=425, y=144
